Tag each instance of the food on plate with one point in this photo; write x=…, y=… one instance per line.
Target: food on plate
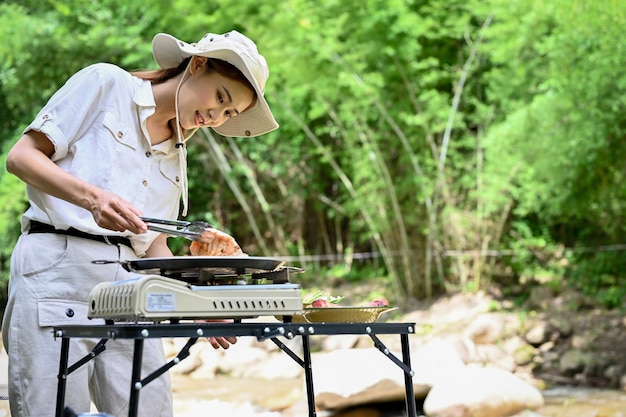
x=322, y=303
x=379, y=302
x=321, y=307
x=321, y=299
x=215, y=243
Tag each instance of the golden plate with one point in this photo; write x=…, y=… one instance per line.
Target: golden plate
x=340, y=314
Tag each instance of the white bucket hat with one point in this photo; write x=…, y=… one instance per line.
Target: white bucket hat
x=238, y=50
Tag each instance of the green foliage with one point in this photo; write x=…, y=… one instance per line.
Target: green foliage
x=43, y=46
x=568, y=161
x=535, y=257
x=599, y=274
x=409, y=129
x=558, y=155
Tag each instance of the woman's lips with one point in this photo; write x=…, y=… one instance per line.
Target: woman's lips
x=199, y=119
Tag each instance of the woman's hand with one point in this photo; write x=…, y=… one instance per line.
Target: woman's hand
x=114, y=213
x=220, y=342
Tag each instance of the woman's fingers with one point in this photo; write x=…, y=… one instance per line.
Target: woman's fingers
x=222, y=342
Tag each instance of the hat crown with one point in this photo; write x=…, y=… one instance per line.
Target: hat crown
x=244, y=48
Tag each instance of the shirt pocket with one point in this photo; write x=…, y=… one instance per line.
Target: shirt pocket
x=120, y=131
x=170, y=169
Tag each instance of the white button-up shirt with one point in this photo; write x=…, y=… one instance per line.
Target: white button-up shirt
x=97, y=123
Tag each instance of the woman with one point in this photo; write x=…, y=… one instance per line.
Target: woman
x=108, y=148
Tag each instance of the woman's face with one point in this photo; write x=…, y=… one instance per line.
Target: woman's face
x=208, y=99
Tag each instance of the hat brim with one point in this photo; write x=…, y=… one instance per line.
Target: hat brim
x=169, y=52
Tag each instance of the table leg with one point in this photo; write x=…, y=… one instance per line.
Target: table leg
x=308, y=375
x=62, y=376
x=408, y=377
x=135, y=381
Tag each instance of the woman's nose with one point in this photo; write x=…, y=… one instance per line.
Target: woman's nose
x=217, y=116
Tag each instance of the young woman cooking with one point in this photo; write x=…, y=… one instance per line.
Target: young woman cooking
x=108, y=148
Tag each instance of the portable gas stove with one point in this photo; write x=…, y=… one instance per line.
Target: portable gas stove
x=198, y=287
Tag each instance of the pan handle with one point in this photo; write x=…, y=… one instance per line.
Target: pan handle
x=124, y=264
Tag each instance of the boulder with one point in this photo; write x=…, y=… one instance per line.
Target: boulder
x=436, y=360
x=349, y=377
x=485, y=329
x=481, y=392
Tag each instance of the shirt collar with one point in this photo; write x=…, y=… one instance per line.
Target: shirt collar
x=144, y=99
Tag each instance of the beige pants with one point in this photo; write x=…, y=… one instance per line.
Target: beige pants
x=51, y=277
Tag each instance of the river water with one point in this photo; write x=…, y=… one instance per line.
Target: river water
x=256, y=398
x=230, y=397
x=583, y=402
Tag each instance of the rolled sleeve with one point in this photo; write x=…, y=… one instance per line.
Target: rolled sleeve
x=44, y=123
x=72, y=109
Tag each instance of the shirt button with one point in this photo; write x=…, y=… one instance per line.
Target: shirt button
x=69, y=312
x=46, y=117
x=177, y=178
x=148, y=154
x=145, y=183
x=120, y=134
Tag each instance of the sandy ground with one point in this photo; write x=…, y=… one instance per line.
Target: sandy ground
x=192, y=397
x=223, y=396
x=226, y=397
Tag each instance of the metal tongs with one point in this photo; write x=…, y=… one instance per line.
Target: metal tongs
x=190, y=230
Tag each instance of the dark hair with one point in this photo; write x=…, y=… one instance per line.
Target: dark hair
x=219, y=66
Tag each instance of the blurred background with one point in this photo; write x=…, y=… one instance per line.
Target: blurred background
x=437, y=145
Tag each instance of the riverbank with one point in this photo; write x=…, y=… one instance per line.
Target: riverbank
x=532, y=342
x=245, y=398
x=573, y=356
x=233, y=397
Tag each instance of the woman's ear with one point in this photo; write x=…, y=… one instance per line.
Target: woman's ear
x=197, y=63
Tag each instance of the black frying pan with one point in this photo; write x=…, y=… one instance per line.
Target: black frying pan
x=189, y=268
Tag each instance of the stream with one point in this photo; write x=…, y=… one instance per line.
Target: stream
x=255, y=398
x=231, y=397
x=583, y=402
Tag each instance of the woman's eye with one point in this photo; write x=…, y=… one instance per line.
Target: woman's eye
x=228, y=114
x=220, y=98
